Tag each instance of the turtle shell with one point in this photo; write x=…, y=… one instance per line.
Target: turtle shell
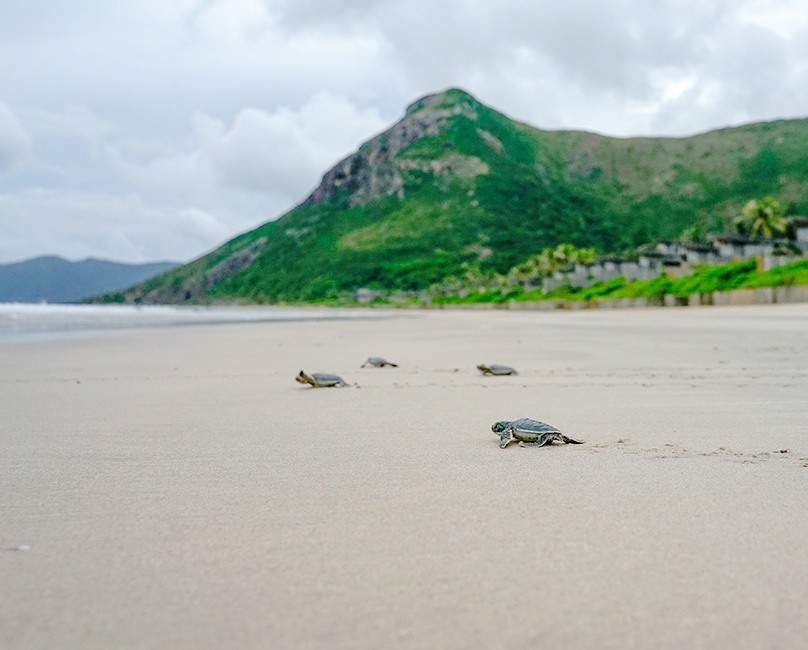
x=496, y=369
x=327, y=380
x=530, y=430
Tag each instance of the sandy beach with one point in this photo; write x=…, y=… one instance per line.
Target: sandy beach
x=176, y=488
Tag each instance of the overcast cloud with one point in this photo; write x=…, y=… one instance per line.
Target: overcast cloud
x=144, y=130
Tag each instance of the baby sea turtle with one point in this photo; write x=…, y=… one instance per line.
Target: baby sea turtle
x=529, y=433
x=320, y=380
x=378, y=362
x=495, y=369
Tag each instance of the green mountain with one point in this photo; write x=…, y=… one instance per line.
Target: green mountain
x=456, y=184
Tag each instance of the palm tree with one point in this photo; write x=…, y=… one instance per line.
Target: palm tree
x=538, y=267
x=566, y=254
x=533, y=270
x=761, y=218
x=695, y=233
x=586, y=256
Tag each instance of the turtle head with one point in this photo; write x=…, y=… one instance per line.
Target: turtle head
x=499, y=427
x=303, y=378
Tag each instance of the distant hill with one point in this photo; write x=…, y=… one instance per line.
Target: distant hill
x=54, y=279
x=456, y=185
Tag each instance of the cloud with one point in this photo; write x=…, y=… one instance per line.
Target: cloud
x=74, y=122
x=131, y=121
x=586, y=41
x=176, y=202
x=747, y=76
x=78, y=225
x=15, y=142
x=280, y=155
x=616, y=67
x=285, y=152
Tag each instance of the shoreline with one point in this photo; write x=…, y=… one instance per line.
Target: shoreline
x=29, y=321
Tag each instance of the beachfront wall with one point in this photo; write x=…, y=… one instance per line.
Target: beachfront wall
x=702, y=255
x=756, y=296
x=768, y=262
x=801, y=237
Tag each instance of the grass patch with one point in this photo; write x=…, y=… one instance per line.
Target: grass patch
x=780, y=276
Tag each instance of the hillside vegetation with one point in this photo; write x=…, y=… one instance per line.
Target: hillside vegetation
x=456, y=185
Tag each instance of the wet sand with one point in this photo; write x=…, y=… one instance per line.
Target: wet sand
x=177, y=489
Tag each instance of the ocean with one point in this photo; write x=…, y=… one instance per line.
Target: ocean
x=24, y=321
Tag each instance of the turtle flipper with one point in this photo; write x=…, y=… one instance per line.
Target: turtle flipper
x=570, y=441
x=506, y=437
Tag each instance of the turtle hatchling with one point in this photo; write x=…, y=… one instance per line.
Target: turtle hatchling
x=320, y=380
x=495, y=369
x=529, y=433
x=378, y=362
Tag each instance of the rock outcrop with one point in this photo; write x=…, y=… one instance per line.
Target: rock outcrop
x=374, y=172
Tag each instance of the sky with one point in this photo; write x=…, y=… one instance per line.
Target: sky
x=152, y=130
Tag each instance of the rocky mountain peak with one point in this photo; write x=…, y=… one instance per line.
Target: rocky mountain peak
x=452, y=100
x=372, y=172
